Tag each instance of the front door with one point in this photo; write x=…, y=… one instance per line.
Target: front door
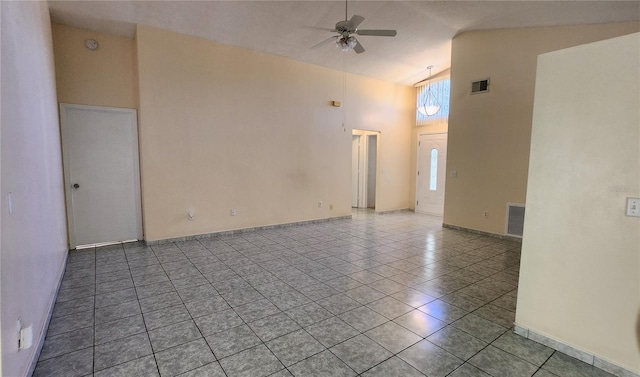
x=432, y=156
x=100, y=150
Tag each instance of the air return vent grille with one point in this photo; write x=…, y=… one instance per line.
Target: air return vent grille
x=480, y=86
x=515, y=219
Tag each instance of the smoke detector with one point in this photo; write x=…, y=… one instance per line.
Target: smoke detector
x=91, y=44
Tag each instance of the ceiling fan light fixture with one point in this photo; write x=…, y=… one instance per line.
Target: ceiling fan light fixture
x=346, y=43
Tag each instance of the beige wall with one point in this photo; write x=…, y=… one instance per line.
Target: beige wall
x=223, y=127
x=34, y=242
x=102, y=77
x=580, y=271
x=489, y=134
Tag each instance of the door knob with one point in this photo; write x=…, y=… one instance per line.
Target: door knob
x=75, y=186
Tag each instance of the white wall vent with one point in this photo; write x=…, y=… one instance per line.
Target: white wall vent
x=480, y=86
x=515, y=219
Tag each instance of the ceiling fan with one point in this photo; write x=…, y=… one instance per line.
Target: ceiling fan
x=345, y=40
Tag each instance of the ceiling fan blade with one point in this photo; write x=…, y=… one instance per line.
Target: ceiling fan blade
x=377, y=33
x=354, y=22
x=319, y=28
x=326, y=41
x=358, y=48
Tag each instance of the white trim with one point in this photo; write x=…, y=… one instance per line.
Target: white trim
x=363, y=188
x=65, y=162
x=363, y=169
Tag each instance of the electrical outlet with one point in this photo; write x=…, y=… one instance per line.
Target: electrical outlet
x=233, y=212
x=485, y=214
x=454, y=174
x=319, y=204
x=633, y=207
x=25, y=337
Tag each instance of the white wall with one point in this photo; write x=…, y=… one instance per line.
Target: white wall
x=580, y=269
x=34, y=243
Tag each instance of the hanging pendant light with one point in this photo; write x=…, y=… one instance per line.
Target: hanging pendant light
x=430, y=105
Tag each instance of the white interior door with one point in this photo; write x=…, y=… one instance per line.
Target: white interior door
x=431, y=175
x=355, y=170
x=372, y=156
x=100, y=147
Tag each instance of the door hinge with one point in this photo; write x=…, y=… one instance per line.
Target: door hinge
x=418, y=172
x=418, y=143
x=417, y=201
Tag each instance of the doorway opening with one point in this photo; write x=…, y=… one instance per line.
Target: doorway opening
x=364, y=168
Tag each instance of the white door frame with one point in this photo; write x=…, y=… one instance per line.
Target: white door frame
x=415, y=199
x=133, y=118
x=364, y=164
x=355, y=176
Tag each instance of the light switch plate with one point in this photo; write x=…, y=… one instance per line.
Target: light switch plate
x=633, y=207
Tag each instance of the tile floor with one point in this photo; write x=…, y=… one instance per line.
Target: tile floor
x=377, y=295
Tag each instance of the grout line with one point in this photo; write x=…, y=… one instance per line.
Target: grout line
x=95, y=293
x=155, y=360
x=548, y=358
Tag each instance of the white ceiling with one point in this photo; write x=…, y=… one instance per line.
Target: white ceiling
x=425, y=28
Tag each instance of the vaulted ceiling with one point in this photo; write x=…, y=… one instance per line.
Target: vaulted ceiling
x=290, y=28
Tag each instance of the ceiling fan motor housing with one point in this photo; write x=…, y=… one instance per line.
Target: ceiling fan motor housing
x=342, y=27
